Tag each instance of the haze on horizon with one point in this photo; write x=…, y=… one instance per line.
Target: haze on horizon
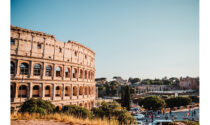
x=138, y=38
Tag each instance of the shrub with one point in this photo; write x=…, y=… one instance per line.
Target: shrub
x=37, y=106
x=178, y=101
x=77, y=111
x=113, y=109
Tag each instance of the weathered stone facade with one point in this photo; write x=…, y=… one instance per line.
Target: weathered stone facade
x=43, y=67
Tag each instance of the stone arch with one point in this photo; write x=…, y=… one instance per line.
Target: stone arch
x=75, y=91
x=12, y=67
x=67, y=72
x=74, y=73
x=12, y=91
x=48, y=91
x=37, y=69
x=36, y=91
x=67, y=90
x=59, y=71
x=22, y=91
x=86, y=74
x=80, y=90
x=58, y=91
x=24, y=68
x=86, y=90
x=89, y=90
x=80, y=73
x=48, y=70
x=86, y=106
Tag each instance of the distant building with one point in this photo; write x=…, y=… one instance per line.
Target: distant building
x=100, y=80
x=189, y=83
x=148, y=88
x=120, y=80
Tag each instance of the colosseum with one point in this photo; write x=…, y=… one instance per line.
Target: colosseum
x=43, y=67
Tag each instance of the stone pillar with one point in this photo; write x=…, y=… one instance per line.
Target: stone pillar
x=18, y=68
x=63, y=72
x=42, y=90
x=71, y=92
x=78, y=91
x=43, y=70
x=63, y=91
x=53, y=70
x=16, y=90
x=53, y=92
x=30, y=90
x=83, y=87
x=31, y=71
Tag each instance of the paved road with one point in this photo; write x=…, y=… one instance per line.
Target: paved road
x=178, y=114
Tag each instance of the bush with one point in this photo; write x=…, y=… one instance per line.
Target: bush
x=195, y=99
x=153, y=103
x=178, y=101
x=113, y=109
x=37, y=106
x=76, y=111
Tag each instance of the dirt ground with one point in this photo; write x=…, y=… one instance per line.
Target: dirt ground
x=39, y=122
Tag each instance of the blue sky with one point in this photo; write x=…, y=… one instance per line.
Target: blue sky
x=136, y=38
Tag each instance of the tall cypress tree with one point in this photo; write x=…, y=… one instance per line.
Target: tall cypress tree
x=125, y=97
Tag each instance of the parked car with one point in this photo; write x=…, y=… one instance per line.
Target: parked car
x=161, y=122
x=139, y=116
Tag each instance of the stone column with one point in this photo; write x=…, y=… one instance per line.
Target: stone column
x=18, y=68
x=63, y=91
x=42, y=90
x=83, y=87
x=30, y=89
x=31, y=71
x=53, y=92
x=53, y=70
x=16, y=90
x=63, y=73
x=78, y=91
x=43, y=70
x=71, y=92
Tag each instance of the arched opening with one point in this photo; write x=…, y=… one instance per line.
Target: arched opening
x=48, y=70
x=47, y=91
x=74, y=73
x=58, y=91
x=12, y=91
x=75, y=91
x=80, y=104
x=81, y=74
x=22, y=91
x=86, y=105
x=67, y=91
x=24, y=68
x=89, y=90
x=85, y=74
x=92, y=76
x=12, y=68
x=89, y=75
x=36, y=91
x=58, y=72
x=86, y=90
x=67, y=73
x=37, y=69
x=80, y=90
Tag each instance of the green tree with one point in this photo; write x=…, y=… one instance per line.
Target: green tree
x=134, y=80
x=178, y=101
x=37, y=106
x=126, y=97
x=153, y=103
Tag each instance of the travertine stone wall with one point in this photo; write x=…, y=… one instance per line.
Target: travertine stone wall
x=74, y=83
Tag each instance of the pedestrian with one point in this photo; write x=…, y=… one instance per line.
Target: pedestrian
x=166, y=117
x=194, y=112
x=170, y=112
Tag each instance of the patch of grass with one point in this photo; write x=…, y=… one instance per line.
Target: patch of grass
x=59, y=117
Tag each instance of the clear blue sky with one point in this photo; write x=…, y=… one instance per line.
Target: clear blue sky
x=131, y=38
